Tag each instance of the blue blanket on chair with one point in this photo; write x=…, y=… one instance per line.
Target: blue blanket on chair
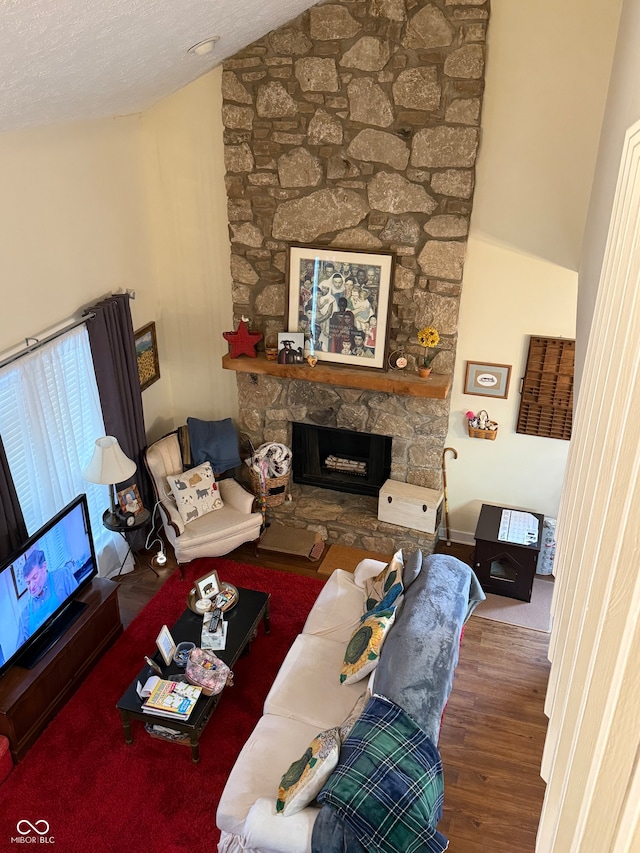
x=215, y=442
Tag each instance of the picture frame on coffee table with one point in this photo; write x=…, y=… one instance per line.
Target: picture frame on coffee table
x=208, y=586
x=166, y=645
x=341, y=301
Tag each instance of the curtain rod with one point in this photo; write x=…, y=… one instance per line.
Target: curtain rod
x=37, y=343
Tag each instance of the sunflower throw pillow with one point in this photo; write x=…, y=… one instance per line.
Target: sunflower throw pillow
x=382, y=591
x=363, y=651
x=195, y=492
x=304, y=780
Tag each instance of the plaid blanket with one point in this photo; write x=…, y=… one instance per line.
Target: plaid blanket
x=388, y=786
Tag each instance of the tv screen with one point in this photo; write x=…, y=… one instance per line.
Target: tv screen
x=39, y=583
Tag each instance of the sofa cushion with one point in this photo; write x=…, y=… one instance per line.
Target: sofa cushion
x=307, y=686
x=381, y=591
x=412, y=566
x=266, y=831
x=363, y=650
x=271, y=747
x=354, y=714
x=337, y=610
x=302, y=782
x=195, y=492
x=366, y=569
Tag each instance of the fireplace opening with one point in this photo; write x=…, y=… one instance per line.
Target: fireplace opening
x=340, y=459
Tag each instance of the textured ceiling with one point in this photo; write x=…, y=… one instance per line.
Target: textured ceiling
x=72, y=60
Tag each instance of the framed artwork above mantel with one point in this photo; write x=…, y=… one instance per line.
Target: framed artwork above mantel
x=341, y=300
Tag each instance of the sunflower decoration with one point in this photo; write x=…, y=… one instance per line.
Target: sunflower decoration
x=363, y=651
x=429, y=338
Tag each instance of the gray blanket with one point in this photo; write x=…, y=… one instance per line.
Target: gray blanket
x=417, y=664
x=419, y=656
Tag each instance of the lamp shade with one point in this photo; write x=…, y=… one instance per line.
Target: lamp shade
x=108, y=464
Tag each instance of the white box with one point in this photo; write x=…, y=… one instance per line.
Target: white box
x=410, y=506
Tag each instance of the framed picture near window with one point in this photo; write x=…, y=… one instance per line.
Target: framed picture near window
x=147, y=355
x=487, y=380
x=341, y=301
x=129, y=500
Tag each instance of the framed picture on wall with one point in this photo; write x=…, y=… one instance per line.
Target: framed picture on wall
x=487, y=380
x=341, y=302
x=147, y=355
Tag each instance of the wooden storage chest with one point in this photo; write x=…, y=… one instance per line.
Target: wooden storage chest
x=410, y=506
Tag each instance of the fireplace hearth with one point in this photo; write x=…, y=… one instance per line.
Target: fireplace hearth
x=340, y=459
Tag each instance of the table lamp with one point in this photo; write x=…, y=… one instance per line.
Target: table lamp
x=109, y=466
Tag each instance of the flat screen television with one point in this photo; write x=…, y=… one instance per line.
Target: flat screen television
x=39, y=584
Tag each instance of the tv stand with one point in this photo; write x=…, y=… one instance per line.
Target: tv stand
x=30, y=698
x=61, y=624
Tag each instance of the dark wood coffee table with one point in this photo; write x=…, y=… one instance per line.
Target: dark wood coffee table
x=243, y=621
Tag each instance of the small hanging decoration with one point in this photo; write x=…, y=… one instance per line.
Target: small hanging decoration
x=480, y=426
x=242, y=341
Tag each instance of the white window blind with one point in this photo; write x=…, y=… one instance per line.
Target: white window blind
x=50, y=417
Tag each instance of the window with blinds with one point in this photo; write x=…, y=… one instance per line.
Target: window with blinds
x=50, y=417
x=546, y=404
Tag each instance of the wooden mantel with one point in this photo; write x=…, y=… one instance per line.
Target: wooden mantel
x=436, y=387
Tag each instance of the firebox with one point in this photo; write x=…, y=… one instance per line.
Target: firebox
x=340, y=459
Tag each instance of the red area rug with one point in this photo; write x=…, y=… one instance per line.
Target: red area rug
x=97, y=793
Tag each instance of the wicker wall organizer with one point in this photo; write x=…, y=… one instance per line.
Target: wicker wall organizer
x=546, y=406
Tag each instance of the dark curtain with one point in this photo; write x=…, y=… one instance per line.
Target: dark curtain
x=114, y=358
x=13, y=530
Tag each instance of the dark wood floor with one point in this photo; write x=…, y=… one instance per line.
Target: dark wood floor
x=493, y=730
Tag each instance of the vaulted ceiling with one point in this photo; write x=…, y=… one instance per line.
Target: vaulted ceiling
x=73, y=60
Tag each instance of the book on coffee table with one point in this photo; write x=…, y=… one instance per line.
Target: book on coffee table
x=172, y=699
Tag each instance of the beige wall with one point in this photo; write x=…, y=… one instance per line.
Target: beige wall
x=72, y=220
x=138, y=202
x=547, y=74
x=547, y=77
x=506, y=297
x=191, y=300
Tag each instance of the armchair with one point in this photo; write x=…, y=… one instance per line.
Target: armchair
x=210, y=535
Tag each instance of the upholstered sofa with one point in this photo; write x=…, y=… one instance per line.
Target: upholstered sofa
x=414, y=674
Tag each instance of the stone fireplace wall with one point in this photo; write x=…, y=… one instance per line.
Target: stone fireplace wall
x=357, y=126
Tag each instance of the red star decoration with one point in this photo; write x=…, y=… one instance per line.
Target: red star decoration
x=242, y=341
